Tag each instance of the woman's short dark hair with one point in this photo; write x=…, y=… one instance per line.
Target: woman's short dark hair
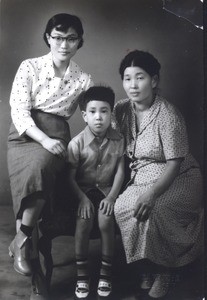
x=142, y=59
x=62, y=22
x=99, y=93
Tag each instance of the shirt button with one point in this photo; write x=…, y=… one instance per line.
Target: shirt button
x=99, y=166
x=97, y=184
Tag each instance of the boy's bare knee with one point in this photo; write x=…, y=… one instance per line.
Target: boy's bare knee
x=84, y=226
x=105, y=222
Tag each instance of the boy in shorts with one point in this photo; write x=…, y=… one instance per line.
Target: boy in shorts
x=96, y=174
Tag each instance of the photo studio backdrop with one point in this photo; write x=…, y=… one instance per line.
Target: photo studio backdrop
x=112, y=29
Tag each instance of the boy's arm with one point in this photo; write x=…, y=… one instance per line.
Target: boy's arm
x=107, y=204
x=85, y=205
x=118, y=181
x=73, y=153
x=79, y=194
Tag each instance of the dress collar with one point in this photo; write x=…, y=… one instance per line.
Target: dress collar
x=151, y=113
x=50, y=69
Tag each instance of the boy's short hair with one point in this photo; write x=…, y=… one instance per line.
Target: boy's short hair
x=99, y=93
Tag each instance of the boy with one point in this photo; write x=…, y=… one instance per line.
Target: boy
x=96, y=174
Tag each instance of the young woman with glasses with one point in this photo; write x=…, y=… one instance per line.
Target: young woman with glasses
x=43, y=97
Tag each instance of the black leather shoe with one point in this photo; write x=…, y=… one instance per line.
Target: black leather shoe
x=38, y=289
x=19, y=250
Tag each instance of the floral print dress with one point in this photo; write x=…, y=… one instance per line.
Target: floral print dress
x=172, y=236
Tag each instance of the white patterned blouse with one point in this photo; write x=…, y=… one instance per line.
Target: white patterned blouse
x=36, y=87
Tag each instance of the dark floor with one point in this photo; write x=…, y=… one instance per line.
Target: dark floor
x=187, y=285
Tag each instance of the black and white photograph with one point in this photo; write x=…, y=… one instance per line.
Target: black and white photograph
x=102, y=149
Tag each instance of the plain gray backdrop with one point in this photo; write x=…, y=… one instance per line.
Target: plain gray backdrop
x=112, y=28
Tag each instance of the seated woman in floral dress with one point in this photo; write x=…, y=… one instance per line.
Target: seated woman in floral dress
x=159, y=214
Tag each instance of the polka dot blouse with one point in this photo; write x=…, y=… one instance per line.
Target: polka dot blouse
x=36, y=87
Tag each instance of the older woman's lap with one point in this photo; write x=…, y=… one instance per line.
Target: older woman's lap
x=172, y=236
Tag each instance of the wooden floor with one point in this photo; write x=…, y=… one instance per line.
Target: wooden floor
x=188, y=282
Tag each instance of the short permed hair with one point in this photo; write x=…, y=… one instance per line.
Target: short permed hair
x=62, y=22
x=97, y=93
x=142, y=59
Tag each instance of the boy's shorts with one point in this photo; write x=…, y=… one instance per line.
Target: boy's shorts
x=95, y=197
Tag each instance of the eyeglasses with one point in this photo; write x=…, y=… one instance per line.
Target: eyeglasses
x=60, y=39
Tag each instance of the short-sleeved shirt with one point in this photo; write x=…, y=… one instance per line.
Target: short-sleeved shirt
x=95, y=163
x=36, y=87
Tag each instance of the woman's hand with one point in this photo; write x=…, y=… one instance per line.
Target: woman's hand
x=107, y=206
x=54, y=146
x=144, y=206
x=146, y=201
x=85, y=208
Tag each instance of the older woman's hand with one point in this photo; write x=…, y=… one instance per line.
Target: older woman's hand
x=144, y=206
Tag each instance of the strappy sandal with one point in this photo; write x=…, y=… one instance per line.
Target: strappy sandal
x=104, y=288
x=82, y=289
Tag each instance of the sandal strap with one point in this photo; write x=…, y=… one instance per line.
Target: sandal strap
x=83, y=285
x=104, y=284
x=104, y=288
x=82, y=289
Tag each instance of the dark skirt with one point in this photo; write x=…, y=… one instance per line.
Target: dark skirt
x=32, y=168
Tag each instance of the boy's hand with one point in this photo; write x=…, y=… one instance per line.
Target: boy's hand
x=85, y=209
x=107, y=206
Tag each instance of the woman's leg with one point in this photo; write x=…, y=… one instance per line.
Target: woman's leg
x=18, y=224
x=107, y=229
x=33, y=211
x=21, y=245
x=82, y=235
